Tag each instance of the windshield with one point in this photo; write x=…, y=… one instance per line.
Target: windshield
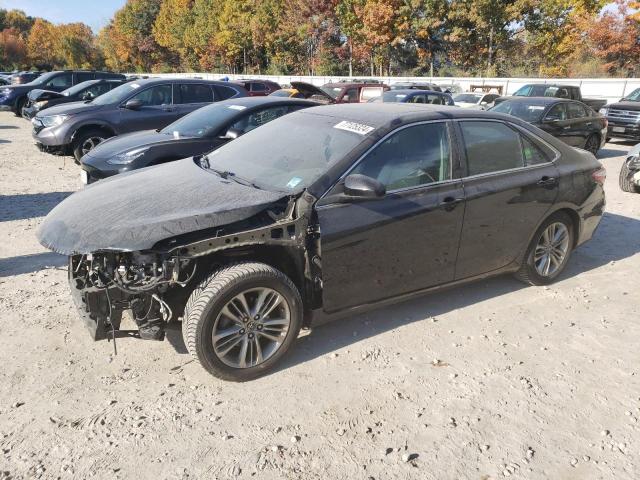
x=524, y=111
x=203, y=122
x=467, y=98
x=392, y=96
x=536, y=91
x=333, y=92
x=289, y=153
x=634, y=96
x=116, y=95
x=78, y=88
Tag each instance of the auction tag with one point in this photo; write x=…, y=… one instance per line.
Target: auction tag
x=354, y=127
x=236, y=107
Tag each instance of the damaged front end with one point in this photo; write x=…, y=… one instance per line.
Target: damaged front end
x=104, y=285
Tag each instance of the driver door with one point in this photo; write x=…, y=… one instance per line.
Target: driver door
x=157, y=110
x=373, y=249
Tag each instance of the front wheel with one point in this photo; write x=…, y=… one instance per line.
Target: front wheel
x=625, y=180
x=241, y=320
x=549, y=251
x=87, y=141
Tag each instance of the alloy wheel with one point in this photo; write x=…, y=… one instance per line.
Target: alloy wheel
x=251, y=327
x=551, y=250
x=90, y=143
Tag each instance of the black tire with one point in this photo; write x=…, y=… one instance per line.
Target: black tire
x=79, y=147
x=20, y=105
x=626, y=185
x=592, y=144
x=211, y=296
x=528, y=273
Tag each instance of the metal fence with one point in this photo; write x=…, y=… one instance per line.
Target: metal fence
x=611, y=89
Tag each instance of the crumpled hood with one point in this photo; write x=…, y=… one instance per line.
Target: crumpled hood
x=40, y=94
x=133, y=211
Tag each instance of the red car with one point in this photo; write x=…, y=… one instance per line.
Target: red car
x=258, y=88
x=342, y=92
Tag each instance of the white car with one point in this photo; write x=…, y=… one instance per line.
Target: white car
x=475, y=100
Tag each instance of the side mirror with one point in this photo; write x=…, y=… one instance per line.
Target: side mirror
x=361, y=186
x=231, y=134
x=133, y=104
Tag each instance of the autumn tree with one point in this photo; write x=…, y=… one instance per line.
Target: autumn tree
x=41, y=43
x=169, y=29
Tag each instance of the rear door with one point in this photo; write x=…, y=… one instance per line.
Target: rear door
x=157, y=110
x=510, y=184
x=557, y=123
x=580, y=122
x=407, y=240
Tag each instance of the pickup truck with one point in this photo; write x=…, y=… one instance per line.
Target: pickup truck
x=624, y=117
x=555, y=90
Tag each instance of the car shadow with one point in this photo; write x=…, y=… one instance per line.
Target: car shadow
x=605, y=153
x=29, y=205
x=30, y=263
x=4, y=141
x=8, y=127
x=615, y=240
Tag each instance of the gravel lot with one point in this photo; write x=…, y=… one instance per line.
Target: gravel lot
x=485, y=381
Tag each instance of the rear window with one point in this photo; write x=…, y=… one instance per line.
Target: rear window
x=194, y=93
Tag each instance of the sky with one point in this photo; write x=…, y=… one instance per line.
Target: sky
x=95, y=13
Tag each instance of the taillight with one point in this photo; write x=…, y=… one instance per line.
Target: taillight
x=599, y=175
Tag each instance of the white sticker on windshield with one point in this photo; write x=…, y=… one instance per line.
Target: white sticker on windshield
x=536, y=107
x=176, y=134
x=134, y=85
x=236, y=107
x=354, y=127
x=293, y=182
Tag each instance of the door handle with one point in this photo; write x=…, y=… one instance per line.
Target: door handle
x=449, y=203
x=546, y=180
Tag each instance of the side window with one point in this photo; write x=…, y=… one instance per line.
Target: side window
x=435, y=99
x=575, y=110
x=562, y=93
x=533, y=155
x=414, y=156
x=255, y=119
x=194, y=93
x=557, y=112
x=491, y=147
x=154, y=96
x=222, y=92
x=418, y=99
x=351, y=95
x=60, y=81
x=84, y=76
x=258, y=87
x=367, y=93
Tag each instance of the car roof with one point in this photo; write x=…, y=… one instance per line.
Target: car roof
x=413, y=91
x=551, y=85
x=540, y=100
x=381, y=114
x=353, y=84
x=152, y=81
x=256, y=102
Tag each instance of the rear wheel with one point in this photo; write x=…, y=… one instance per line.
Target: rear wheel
x=592, y=144
x=87, y=141
x=626, y=184
x=549, y=251
x=241, y=320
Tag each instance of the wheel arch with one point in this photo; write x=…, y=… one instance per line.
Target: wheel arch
x=90, y=126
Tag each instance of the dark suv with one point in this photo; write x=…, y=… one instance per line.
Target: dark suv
x=624, y=117
x=14, y=97
x=140, y=105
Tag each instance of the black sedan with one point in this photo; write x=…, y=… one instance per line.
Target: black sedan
x=430, y=97
x=199, y=132
x=573, y=122
x=324, y=212
x=38, y=99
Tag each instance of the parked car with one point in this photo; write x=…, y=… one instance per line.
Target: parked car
x=630, y=172
x=624, y=117
x=341, y=92
x=24, y=77
x=415, y=86
x=76, y=128
x=415, y=96
x=475, y=100
x=287, y=93
x=573, y=122
x=14, y=97
x=38, y=100
x=5, y=80
x=200, y=132
x=568, y=92
x=300, y=220
x=258, y=88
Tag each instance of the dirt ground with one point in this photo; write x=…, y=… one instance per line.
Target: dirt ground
x=485, y=381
